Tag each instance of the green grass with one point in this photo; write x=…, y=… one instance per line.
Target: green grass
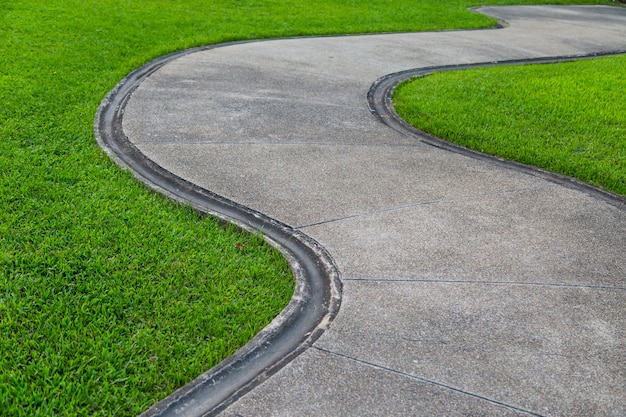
x=567, y=118
x=111, y=296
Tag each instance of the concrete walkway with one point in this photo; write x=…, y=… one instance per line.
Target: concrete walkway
x=469, y=287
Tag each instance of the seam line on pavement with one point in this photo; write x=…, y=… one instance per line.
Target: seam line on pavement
x=428, y=381
x=289, y=100
x=451, y=281
x=284, y=143
x=426, y=203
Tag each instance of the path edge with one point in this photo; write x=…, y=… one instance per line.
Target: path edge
x=379, y=98
x=317, y=294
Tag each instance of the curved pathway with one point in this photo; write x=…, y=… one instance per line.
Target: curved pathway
x=469, y=287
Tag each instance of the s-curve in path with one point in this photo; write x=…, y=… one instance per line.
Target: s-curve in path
x=469, y=287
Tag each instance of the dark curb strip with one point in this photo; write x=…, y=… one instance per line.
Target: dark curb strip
x=380, y=103
x=317, y=295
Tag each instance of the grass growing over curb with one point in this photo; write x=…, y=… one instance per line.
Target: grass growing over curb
x=567, y=117
x=111, y=296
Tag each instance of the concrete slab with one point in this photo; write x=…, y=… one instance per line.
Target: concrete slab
x=256, y=110
x=245, y=118
x=503, y=342
x=542, y=235
x=307, y=184
x=324, y=384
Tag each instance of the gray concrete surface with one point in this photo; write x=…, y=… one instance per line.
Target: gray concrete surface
x=469, y=288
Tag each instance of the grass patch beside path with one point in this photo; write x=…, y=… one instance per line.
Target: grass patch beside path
x=567, y=117
x=112, y=296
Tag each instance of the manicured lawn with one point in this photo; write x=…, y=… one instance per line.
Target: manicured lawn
x=568, y=117
x=112, y=296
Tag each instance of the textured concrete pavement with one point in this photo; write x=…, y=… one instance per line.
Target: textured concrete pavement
x=469, y=288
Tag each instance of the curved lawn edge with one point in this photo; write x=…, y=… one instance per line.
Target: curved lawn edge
x=380, y=96
x=317, y=294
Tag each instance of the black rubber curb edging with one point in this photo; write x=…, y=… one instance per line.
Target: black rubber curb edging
x=380, y=96
x=317, y=295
